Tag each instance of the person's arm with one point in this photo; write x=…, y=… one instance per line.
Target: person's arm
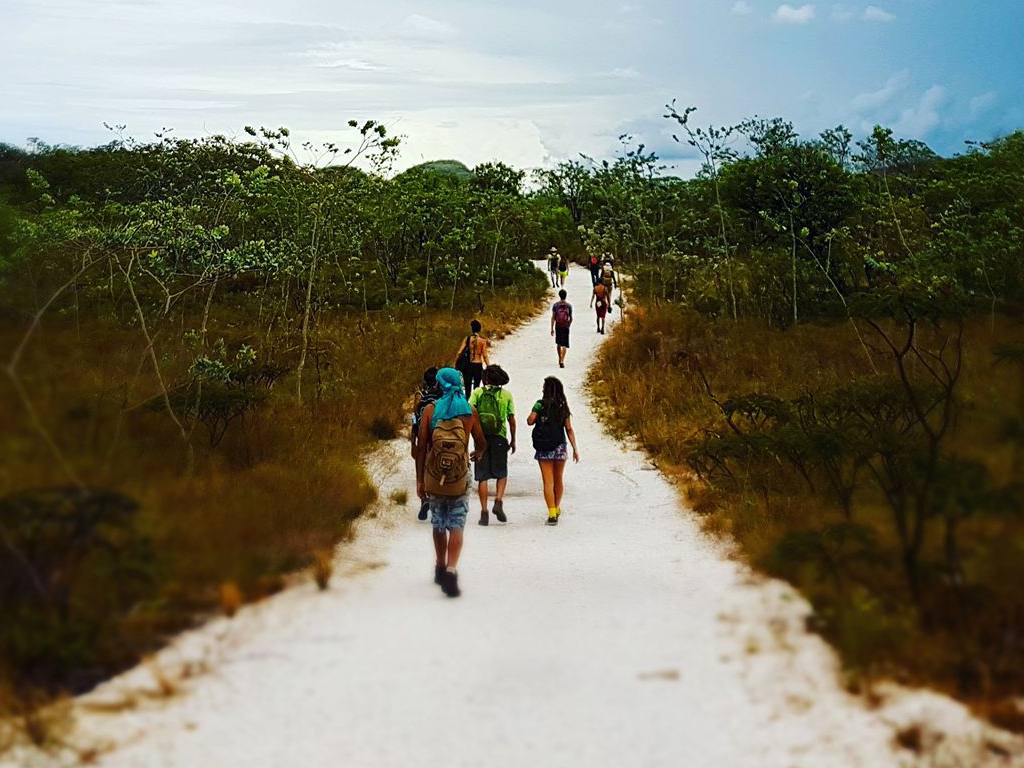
x=512, y=431
x=615, y=279
x=479, y=439
x=487, y=349
x=531, y=419
x=421, y=448
x=572, y=439
x=593, y=295
x=552, y=322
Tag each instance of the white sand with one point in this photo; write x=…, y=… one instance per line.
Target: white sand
x=621, y=637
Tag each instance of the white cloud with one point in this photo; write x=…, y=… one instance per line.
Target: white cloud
x=874, y=13
x=981, y=104
x=787, y=14
x=742, y=8
x=918, y=120
x=841, y=13
x=422, y=27
x=874, y=100
x=624, y=73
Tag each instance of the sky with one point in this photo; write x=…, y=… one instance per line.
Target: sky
x=527, y=82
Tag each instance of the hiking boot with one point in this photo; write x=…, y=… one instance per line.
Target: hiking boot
x=561, y=364
x=438, y=573
x=499, y=511
x=552, y=520
x=483, y=517
x=450, y=584
x=424, y=508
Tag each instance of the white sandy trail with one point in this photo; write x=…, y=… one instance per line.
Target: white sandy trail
x=622, y=637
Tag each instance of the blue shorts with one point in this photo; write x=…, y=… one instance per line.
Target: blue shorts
x=448, y=513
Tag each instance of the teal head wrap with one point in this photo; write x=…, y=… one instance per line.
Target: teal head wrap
x=452, y=403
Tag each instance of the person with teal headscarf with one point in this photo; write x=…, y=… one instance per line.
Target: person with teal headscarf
x=448, y=513
x=452, y=403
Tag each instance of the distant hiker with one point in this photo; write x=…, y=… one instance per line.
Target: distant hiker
x=495, y=408
x=552, y=424
x=595, y=269
x=553, y=260
x=563, y=270
x=442, y=471
x=425, y=395
x=561, y=319
x=473, y=357
x=599, y=301
x=609, y=279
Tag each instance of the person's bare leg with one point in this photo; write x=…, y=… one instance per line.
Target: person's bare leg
x=547, y=475
x=454, y=548
x=557, y=470
x=499, y=490
x=440, y=547
x=483, y=495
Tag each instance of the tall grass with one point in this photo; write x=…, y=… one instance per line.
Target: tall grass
x=655, y=379
x=273, y=496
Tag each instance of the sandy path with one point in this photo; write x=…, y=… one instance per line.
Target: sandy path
x=623, y=637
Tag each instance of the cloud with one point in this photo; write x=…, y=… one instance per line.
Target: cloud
x=874, y=100
x=841, y=13
x=742, y=8
x=787, y=14
x=624, y=73
x=921, y=119
x=981, y=104
x=874, y=13
x=898, y=105
x=422, y=27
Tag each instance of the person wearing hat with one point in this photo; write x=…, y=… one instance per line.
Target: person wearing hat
x=553, y=261
x=496, y=409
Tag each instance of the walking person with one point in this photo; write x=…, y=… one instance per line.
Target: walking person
x=552, y=428
x=563, y=270
x=496, y=409
x=553, y=260
x=425, y=395
x=609, y=279
x=561, y=320
x=599, y=301
x=595, y=269
x=442, y=472
x=472, y=357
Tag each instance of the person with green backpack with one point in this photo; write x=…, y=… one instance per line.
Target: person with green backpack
x=495, y=408
x=442, y=471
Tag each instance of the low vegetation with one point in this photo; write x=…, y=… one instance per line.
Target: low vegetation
x=829, y=355
x=200, y=339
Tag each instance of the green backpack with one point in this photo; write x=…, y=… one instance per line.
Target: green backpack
x=489, y=407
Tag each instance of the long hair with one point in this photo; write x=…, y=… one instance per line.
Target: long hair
x=554, y=406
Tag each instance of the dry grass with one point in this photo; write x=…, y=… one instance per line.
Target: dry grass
x=323, y=567
x=231, y=598
x=282, y=488
x=648, y=384
x=400, y=497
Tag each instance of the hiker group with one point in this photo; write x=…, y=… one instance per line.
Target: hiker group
x=468, y=403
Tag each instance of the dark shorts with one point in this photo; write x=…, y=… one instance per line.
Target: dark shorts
x=601, y=308
x=494, y=464
x=562, y=335
x=561, y=453
x=473, y=377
